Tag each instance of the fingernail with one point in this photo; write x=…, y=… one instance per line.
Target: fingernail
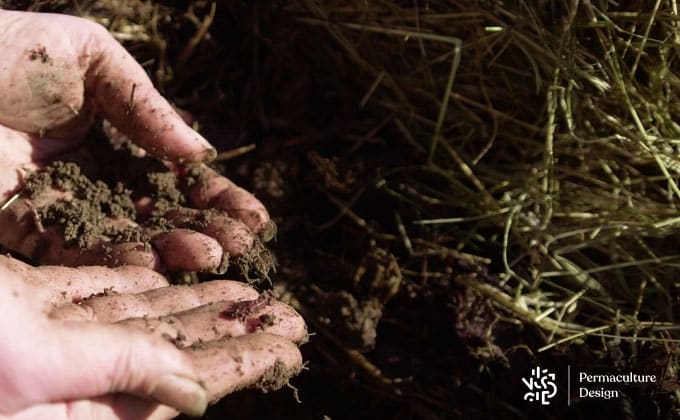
x=206, y=155
x=181, y=393
x=210, y=154
x=268, y=231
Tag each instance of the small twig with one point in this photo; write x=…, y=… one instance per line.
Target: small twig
x=234, y=153
x=199, y=35
x=404, y=235
x=11, y=200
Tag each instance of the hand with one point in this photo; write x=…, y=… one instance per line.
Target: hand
x=108, y=356
x=56, y=73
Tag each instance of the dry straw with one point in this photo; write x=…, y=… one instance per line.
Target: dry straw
x=545, y=139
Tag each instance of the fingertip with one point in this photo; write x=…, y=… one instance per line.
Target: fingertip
x=282, y=320
x=243, y=206
x=235, y=238
x=205, y=154
x=128, y=253
x=180, y=143
x=268, y=231
x=264, y=361
x=213, y=190
x=188, y=250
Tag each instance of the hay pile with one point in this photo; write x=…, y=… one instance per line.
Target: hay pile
x=462, y=188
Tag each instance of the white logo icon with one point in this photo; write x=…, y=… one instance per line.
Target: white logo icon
x=541, y=385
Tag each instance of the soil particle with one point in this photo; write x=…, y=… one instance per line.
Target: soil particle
x=256, y=264
x=164, y=190
x=94, y=208
x=268, y=232
x=357, y=321
x=194, y=174
x=201, y=220
x=224, y=264
x=83, y=216
x=129, y=234
x=259, y=323
x=182, y=277
x=475, y=319
x=39, y=53
x=275, y=377
x=178, y=340
x=199, y=345
x=267, y=319
x=77, y=299
x=242, y=310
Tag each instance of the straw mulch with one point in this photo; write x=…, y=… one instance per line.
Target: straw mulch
x=463, y=188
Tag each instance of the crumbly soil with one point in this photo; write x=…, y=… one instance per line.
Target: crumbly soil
x=103, y=194
x=275, y=378
x=99, y=199
x=85, y=216
x=243, y=309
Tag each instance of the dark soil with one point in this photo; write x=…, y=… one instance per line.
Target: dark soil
x=98, y=201
x=99, y=194
x=275, y=378
x=83, y=216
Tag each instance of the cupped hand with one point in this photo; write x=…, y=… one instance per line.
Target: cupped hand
x=104, y=343
x=56, y=73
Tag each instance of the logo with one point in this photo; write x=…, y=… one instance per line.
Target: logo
x=541, y=385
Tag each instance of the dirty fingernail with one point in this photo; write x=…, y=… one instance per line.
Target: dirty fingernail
x=181, y=393
x=268, y=231
x=210, y=154
x=206, y=155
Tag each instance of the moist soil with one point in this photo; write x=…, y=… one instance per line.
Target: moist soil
x=103, y=192
x=99, y=200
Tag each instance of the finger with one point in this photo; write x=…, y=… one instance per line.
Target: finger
x=154, y=303
x=125, y=95
x=66, y=284
x=179, y=249
x=16, y=149
x=60, y=284
x=109, y=360
x=261, y=361
x=212, y=190
x=22, y=231
x=22, y=153
x=18, y=227
x=119, y=407
x=217, y=320
x=235, y=238
x=188, y=250
x=51, y=248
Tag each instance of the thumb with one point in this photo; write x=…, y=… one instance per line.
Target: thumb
x=87, y=360
x=125, y=95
